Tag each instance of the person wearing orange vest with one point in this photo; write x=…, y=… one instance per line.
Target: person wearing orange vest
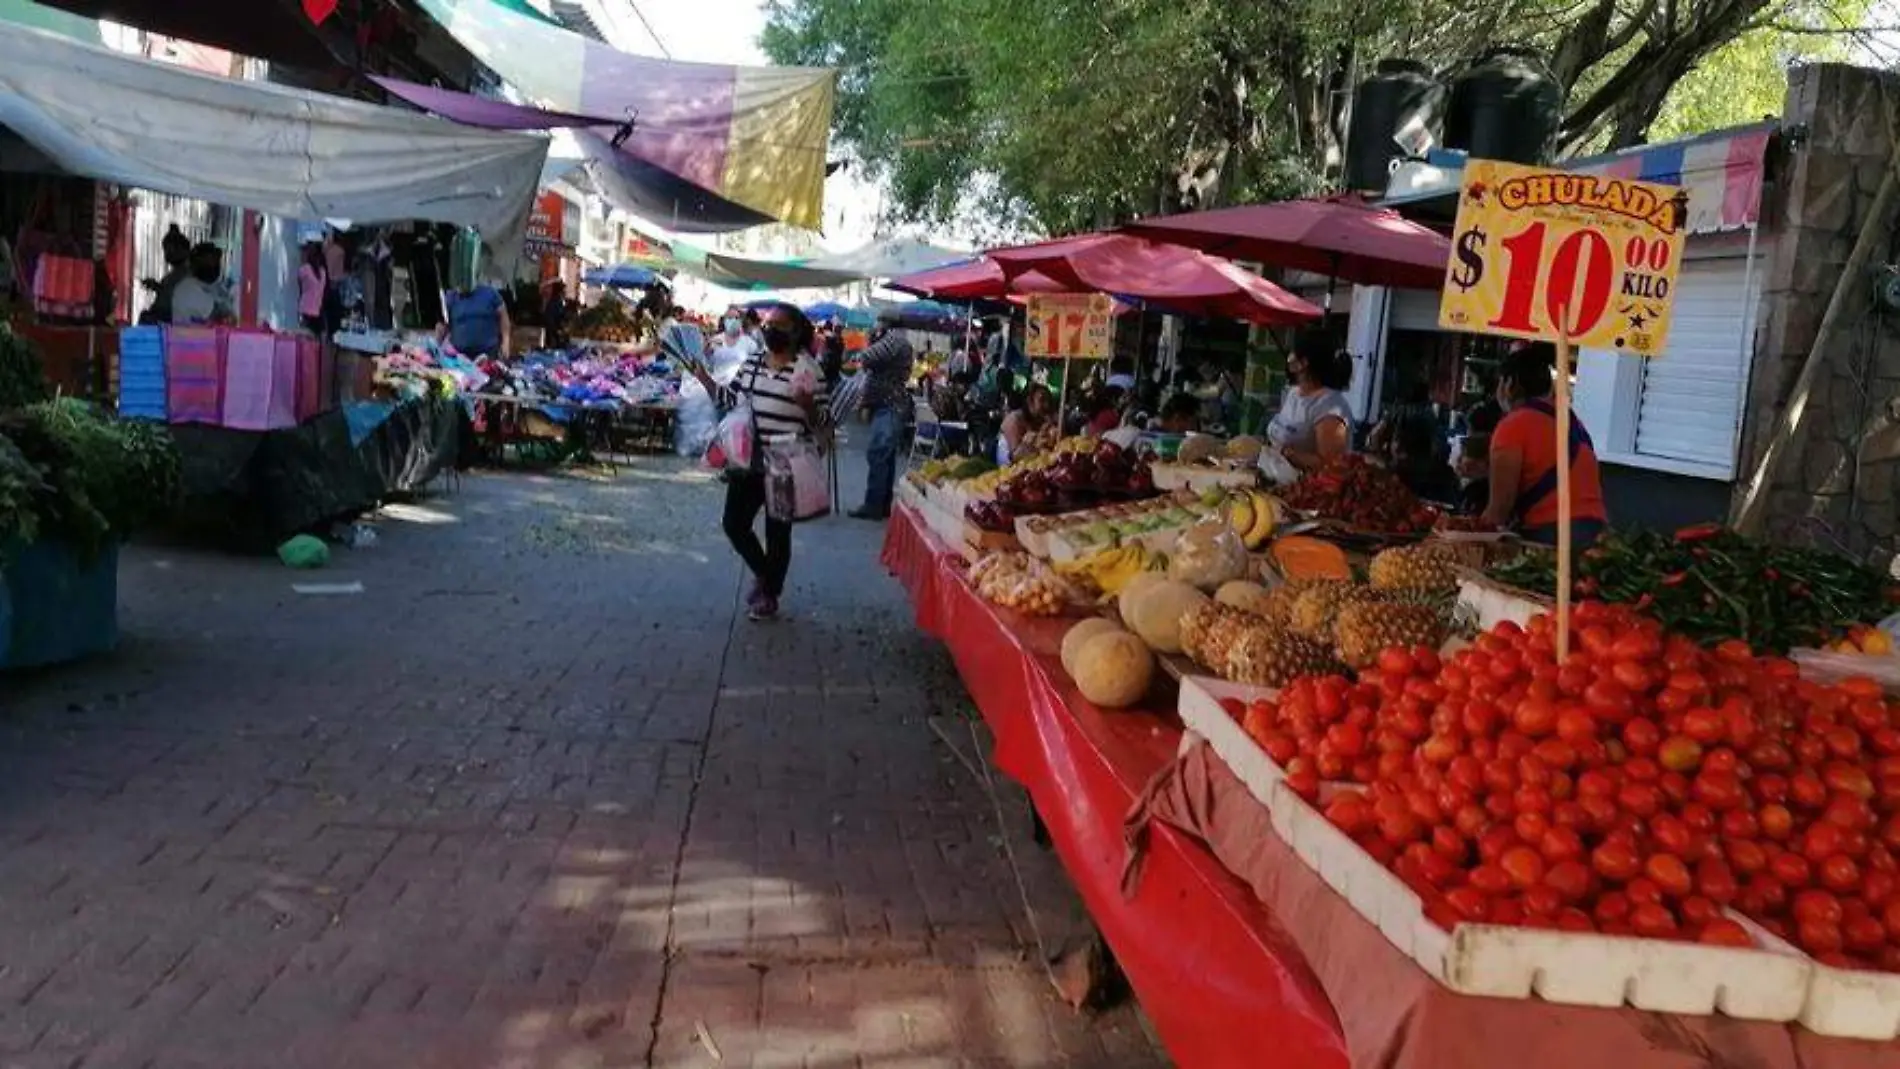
x=1524, y=457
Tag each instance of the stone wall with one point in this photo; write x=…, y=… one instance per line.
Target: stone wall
x=1838, y=481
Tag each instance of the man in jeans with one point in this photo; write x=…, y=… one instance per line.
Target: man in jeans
x=886, y=367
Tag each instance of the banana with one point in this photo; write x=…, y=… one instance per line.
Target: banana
x=1241, y=513
x=1265, y=519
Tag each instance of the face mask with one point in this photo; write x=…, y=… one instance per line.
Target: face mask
x=732, y=326
x=778, y=339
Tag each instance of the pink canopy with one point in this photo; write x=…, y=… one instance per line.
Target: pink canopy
x=974, y=280
x=1179, y=279
x=1343, y=238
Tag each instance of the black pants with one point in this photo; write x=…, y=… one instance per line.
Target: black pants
x=745, y=498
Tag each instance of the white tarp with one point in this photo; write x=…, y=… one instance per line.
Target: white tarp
x=269, y=148
x=882, y=259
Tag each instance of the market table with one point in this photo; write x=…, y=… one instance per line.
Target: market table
x=1215, y=974
x=1280, y=963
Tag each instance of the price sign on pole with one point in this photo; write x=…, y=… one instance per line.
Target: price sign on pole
x=1557, y=256
x=1078, y=325
x=1576, y=259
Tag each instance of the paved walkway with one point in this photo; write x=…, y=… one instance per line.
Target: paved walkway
x=538, y=797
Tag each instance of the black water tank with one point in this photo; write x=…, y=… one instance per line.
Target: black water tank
x=1505, y=107
x=1399, y=92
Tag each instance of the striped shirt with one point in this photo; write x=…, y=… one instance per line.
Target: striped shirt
x=775, y=395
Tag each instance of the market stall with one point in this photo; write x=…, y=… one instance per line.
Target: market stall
x=1223, y=586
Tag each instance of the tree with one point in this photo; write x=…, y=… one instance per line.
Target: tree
x=1063, y=115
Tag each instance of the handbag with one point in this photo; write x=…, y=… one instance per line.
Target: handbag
x=797, y=484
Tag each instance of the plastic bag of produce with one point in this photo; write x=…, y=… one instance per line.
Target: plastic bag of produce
x=733, y=448
x=1207, y=555
x=1278, y=470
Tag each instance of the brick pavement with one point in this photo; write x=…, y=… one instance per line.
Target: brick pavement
x=539, y=797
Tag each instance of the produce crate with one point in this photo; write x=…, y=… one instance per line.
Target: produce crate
x=982, y=541
x=1201, y=712
x=1491, y=602
x=1775, y=983
x=1766, y=984
x=1199, y=478
x=1853, y=1003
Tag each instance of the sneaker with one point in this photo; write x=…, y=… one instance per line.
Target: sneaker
x=869, y=513
x=755, y=595
x=766, y=608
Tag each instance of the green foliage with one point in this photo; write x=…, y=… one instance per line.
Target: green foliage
x=1063, y=115
x=69, y=473
x=22, y=380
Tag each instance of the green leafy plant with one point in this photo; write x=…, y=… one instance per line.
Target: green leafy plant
x=22, y=379
x=100, y=480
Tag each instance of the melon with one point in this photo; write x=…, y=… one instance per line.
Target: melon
x=1248, y=597
x=1158, y=612
x=1131, y=592
x=1080, y=633
x=1113, y=670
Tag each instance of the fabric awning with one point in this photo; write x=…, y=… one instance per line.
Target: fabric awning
x=269, y=148
x=754, y=136
x=976, y=280
x=1341, y=238
x=1178, y=278
x=1721, y=170
x=882, y=259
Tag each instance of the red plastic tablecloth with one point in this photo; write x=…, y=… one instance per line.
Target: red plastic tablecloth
x=1222, y=984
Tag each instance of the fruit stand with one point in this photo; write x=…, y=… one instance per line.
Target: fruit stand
x=1445, y=854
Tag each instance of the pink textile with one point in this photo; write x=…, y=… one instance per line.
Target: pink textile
x=311, y=396
x=194, y=374
x=250, y=372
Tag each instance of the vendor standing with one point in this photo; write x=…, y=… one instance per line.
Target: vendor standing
x=1524, y=457
x=1314, y=425
x=201, y=296
x=554, y=315
x=478, y=323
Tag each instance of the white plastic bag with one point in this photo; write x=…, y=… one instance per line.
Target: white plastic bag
x=1277, y=468
x=732, y=447
x=797, y=485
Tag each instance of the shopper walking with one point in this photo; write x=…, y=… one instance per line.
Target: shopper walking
x=788, y=400
x=886, y=366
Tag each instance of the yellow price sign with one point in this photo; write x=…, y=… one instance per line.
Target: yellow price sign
x=1542, y=254
x=1076, y=325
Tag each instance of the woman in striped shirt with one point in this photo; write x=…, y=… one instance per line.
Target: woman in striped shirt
x=788, y=399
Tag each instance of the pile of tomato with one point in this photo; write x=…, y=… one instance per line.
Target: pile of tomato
x=1644, y=786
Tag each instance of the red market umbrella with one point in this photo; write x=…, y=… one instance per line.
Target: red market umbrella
x=974, y=280
x=1179, y=279
x=1344, y=238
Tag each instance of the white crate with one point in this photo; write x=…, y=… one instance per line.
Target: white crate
x=1853, y=1003
x=1201, y=713
x=1491, y=604
x=1768, y=984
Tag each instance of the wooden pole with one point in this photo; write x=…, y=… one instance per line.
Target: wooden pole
x=1062, y=401
x=1563, y=489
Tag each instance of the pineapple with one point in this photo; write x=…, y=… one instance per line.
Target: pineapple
x=1269, y=656
x=1314, y=609
x=1210, y=629
x=1361, y=631
x=1421, y=567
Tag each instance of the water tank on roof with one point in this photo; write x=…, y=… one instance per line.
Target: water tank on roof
x=1505, y=107
x=1398, y=104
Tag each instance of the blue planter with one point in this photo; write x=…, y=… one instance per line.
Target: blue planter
x=54, y=609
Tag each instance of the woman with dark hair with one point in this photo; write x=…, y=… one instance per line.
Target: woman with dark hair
x=1029, y=427
x=1315, y=422
x=313, y=282
x=788, y=401
x=1524, y=457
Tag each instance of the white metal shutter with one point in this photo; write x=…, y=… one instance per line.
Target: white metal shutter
x=1691, y=404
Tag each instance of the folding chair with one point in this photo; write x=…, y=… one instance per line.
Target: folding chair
x=928, y=439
